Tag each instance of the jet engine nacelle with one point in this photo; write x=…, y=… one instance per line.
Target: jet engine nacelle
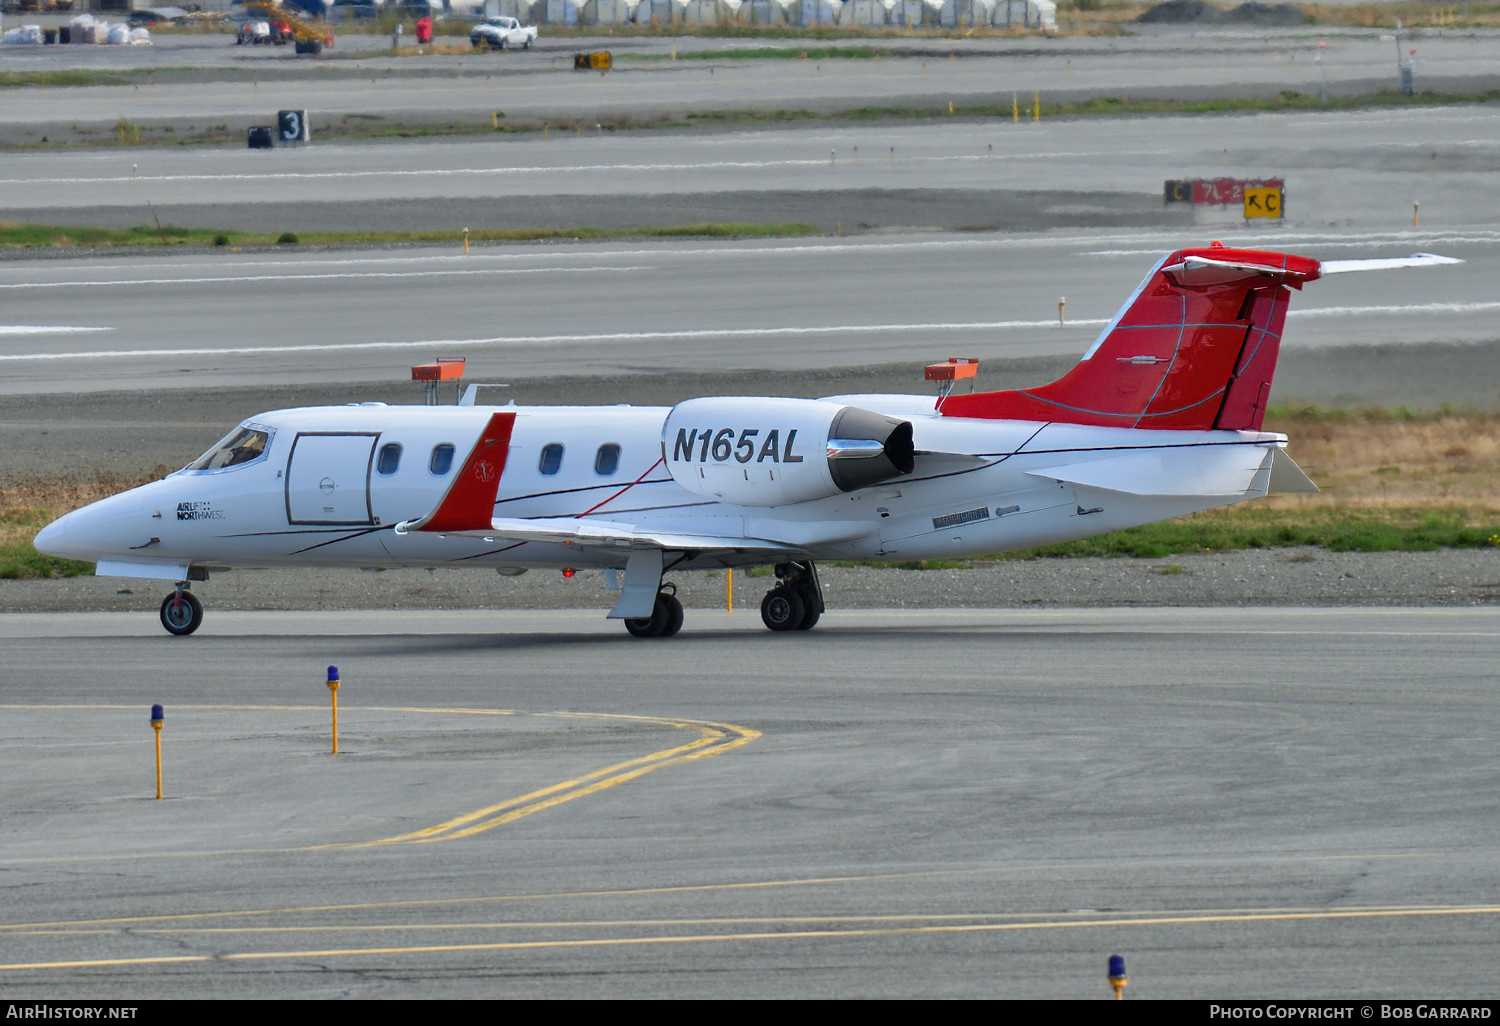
x=755, y=451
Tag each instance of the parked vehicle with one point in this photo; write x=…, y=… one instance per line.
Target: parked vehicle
x=256, y=32
x=501, y=34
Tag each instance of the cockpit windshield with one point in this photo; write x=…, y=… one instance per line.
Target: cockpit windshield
x=242, y=445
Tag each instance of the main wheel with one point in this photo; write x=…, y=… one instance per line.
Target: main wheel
x=674, y=615
x=782, y=609
x=810, y=613
x=660, y=623
x=665, y=619
x=181, y=612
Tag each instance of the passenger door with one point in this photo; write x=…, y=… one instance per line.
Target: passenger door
x=328, y=478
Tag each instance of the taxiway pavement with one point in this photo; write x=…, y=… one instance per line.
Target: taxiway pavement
x=1247, y=803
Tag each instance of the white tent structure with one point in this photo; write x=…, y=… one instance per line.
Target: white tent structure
x=915, y=13
x=965, y=13
x=866, y=13
x=607, y=12
x=661, y=12
x=1032, y=14
x=710, y=12
x=818, y=12
x=764, y=12
x=524, y=11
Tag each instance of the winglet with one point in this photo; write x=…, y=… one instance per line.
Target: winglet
x=469, y=502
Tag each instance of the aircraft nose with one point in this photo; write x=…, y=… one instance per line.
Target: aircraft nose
x=52, y=540
x=94, y=531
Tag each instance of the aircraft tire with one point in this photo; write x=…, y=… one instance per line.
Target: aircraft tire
x=782, y=609
x=810, y=612
x=181, y=615
x=665, y=619
x=674, y=615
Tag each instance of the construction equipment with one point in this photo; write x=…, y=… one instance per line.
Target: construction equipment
x=311, y=36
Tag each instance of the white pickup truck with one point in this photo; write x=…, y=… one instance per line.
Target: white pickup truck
x=501, y=34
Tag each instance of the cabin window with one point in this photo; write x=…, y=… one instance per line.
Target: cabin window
x=442, y=459
x=551, y=462
x=607, y=460
x=242, y=445
x=389, y=458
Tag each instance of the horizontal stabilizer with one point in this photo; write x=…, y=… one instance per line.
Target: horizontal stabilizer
x=1387, y=263
x=1184, y=470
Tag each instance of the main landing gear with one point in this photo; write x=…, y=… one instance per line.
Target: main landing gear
x=181, y=612
x=796, y=603
x=665, y=619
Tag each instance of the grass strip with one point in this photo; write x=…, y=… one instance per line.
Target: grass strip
x=19, y=79
x=32, y=236
x=1255, y=527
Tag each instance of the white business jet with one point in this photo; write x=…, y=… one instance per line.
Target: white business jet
x=1161, y=417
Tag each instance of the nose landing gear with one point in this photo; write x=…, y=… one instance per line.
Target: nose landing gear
x=181, y=612
x=796, y=603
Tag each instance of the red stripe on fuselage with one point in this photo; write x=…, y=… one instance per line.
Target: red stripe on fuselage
x=469, y=504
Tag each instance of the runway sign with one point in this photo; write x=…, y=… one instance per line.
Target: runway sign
x=291, y=126
x=1263, y=202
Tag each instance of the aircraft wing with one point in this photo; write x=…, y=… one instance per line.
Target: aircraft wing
x=595, y=532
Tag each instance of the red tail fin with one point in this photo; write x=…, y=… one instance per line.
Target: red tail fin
x=1194, y=348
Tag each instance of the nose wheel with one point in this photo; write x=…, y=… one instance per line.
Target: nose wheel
x=181, y=612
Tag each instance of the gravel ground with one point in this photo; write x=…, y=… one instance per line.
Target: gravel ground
x=1280, y=577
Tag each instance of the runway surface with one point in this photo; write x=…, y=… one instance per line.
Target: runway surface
x=1247, y=803
x=1358, y=170
x=100, y=323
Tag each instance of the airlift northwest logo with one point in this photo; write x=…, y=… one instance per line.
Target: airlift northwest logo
x=720, y=445
x=198, y=511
